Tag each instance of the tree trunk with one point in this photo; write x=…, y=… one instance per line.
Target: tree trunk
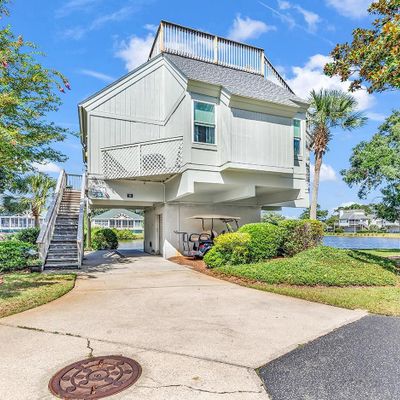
x=314, y=197
x=37, y=220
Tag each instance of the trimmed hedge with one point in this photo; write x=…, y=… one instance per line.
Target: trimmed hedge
x=13, y=255
x=28, y=235
x=229, y=249
x=104, y=239
x=300, y=235
x=265, y=240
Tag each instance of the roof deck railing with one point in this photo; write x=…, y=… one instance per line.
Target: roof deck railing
x=187, y=42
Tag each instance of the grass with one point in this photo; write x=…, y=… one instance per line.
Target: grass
x=383, y=252
x=344, y=278
x=22, y=291
x=379, y=299
x=322, y=265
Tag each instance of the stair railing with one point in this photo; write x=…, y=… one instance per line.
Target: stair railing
x=47, y=227
x=82, y=207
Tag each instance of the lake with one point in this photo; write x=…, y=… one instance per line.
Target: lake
x=345, y=242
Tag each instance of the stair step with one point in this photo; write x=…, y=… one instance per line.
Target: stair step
x=57, y=260
x=62, y=254
x=61, y=266
x=63, y=240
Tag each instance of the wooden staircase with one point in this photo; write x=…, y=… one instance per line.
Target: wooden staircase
x=63, y=250
x=61, y=237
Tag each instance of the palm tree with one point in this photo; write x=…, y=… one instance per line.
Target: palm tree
x=35, y=190
x=328, y=109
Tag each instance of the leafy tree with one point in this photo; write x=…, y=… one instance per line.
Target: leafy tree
x=328, y=109
x=33, y=192
x=28, y=91
x=332, y=221
x=272, y=217
x=376, y=164
x=373, y=56
x=321, y=214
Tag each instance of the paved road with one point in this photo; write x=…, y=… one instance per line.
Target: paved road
x=360, y=361
x=195, y=336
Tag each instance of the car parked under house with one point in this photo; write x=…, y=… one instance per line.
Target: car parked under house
x=206, y=125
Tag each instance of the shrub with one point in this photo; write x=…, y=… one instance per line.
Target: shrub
x=28, y=235
x=124, y=234
x=300, y=235
x=265, y=240
x=228, y=249
x=13, y=255
x=104, y=239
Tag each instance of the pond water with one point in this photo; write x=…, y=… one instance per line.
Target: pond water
x=345, y=242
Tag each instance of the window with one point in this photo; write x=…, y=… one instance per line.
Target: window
x=297, y=137
x=204, y=122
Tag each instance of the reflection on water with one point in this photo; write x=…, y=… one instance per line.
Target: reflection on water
x=344, y=242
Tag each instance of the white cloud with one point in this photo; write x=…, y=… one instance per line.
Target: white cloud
x=311, y=76
x=135, y=51
x=47, y=167
x=311, y=18
x=376, y=116
x=284, y=5
x=327, y=173
x=350, y=8
x=78, y=32
x=246, y=28
x=97, y=75
x=71, y=6
x=347, y=204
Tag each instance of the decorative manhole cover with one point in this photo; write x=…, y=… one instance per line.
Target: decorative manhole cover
x=95, y=378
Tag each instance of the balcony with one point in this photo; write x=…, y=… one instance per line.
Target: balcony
x=148, y=159
x=191, y=43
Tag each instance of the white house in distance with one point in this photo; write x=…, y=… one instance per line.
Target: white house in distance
x=205, y=126
x=14, y=223
x=357, y=220
x=119, y=219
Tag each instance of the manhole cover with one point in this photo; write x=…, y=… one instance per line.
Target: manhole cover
x=95, y=378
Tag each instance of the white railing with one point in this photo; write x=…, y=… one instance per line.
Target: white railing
x=188, y=42
x=47, y=227
x=158, y=157
x=82, y=207
x=273, y=75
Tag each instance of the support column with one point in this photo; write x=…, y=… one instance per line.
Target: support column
x=89, y=228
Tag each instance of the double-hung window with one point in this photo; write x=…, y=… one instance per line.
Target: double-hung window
x=204, y=122
x=297, y=137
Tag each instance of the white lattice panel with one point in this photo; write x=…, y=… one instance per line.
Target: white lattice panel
x=144, y=159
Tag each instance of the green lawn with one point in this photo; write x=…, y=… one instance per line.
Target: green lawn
x=22, y=291
x=320, y=266
x=383, y=252
x=379, y=299
x=345, y=278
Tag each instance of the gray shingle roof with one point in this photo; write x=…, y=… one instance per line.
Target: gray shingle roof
x=354, y=214
x=117, y=211
x=236, y=82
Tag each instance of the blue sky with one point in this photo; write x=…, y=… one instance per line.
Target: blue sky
x=96, y=41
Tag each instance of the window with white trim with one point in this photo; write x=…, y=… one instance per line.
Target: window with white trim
x=204, y=122
x=297, y=138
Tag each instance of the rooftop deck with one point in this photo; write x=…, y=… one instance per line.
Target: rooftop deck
x=187, y=42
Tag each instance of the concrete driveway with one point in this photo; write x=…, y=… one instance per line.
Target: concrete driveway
x=195, y=336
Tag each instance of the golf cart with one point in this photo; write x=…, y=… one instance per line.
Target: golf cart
x=196, y=245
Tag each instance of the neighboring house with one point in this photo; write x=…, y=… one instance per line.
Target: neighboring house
x=119, y=219
x=358, y=220
x=13, y=223
x=205, y=126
